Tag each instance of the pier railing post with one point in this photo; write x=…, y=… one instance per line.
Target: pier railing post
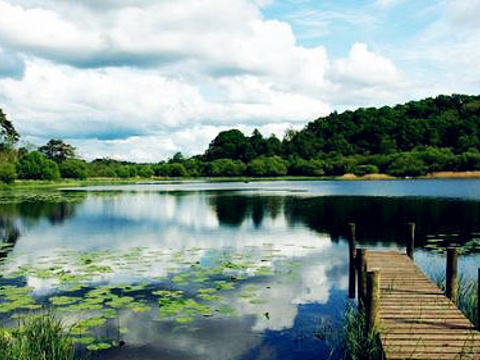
x=361, y=258
x=451, y=282
x=410, y=240
x=351, y=251
x=372, y=299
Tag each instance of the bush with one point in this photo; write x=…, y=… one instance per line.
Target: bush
x=145, y=171
x=177, y=170
x=267, y=166
x=226, y=167
x=361, y=170
x=74, y=169
x=407, y=165
x=36, y=166
x=299, y=166
x=8, y=173
x=122, y=172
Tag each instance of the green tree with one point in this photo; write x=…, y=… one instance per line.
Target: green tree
x=8, y=174
x=267, y=166
x=57, y=150
x=37, y=166
x=226, y=167
x=8, y=135
x=231, y=144
x=73, y=169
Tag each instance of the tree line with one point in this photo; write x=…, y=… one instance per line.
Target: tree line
x=434, y=134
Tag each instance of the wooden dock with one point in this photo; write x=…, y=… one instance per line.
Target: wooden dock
x=415, y=319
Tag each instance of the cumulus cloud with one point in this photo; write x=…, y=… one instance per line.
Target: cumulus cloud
x=115, y=75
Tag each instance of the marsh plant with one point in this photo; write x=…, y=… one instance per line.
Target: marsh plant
x=356, y=342
x=37, y=337
x=466, y=298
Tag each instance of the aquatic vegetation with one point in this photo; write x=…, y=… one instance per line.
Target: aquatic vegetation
x=356, y=343
x=39, y=337
x=195, y=285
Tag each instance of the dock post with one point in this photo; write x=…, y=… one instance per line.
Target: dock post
x=410, y=240
x=478, y=301
x=351, y=250
x=451, y=282
x=362, y=275
x=372, y=299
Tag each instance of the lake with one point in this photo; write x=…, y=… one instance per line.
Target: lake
x=218, y=270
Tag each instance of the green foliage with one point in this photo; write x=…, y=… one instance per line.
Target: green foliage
x=299, y=166
x=145, y=171
x=357, y=343
x=74, y=169
x=8, y=135
x=8, y=174
x=226, y=167
x=231, y=144
x=37, y=166
x=57, y=150
x=39, y=337
x=267, y=166
x=361, y=170
x=407, y=165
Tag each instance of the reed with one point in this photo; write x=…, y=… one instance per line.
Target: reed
x=358, y=343
x=466, y=296
x=37, y=337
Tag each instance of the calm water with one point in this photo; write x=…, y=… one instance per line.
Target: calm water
x=218, y=270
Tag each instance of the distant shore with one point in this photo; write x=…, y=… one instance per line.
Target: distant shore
x=31, y=184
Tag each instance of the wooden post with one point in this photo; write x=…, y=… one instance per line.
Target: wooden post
x=351, y=250
x=373, y=298
x=478, y=300
x=451, y=286
x=362, y=275
x=410, y=240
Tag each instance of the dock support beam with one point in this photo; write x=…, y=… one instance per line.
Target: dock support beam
x=351, y=250
x=410, y=240
x=452, y=264
x=372, y=299
x=362, y=275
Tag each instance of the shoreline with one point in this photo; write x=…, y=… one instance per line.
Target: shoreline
x=32, y=184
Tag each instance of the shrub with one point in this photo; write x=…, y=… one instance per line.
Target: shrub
x=361, y=170
x=74, y=169
x=37, y=167
x=8, y=173
x=226, y=167
x=145, y=171
x=407, y=165
x=267, y=166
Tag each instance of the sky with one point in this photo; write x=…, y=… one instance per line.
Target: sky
x=140, y=80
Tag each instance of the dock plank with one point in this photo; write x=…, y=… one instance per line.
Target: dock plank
x=416, y=320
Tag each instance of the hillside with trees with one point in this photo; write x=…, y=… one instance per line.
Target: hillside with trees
x=413, y=139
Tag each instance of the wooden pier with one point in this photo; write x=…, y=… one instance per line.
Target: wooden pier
x=415, y=319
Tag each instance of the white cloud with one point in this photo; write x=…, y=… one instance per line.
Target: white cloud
x=161, y=77
x=365, y=67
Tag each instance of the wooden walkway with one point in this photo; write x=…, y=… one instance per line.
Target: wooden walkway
x=416, y=320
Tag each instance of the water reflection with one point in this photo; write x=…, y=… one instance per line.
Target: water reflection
x=298, y=241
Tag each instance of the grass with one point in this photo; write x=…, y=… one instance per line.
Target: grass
x=466, y=297
x=355, y=343
x=38, y=337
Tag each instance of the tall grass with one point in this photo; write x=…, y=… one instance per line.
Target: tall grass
x=466, y=298
x=356, y=342
x=38, y=337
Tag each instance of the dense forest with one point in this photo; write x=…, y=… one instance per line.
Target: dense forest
x=435, y=134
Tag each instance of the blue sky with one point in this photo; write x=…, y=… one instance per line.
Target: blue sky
x=143, y=79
